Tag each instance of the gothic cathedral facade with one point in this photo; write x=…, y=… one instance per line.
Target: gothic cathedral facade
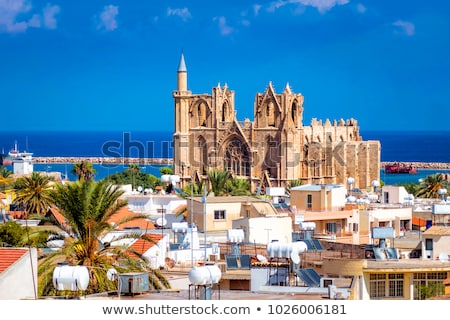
x=273, y=150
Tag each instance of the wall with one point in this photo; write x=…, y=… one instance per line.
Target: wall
x=265, y=229
x=16, y=282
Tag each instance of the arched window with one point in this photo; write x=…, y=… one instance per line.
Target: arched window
x=236, y=158
x=294, y=110
x=270, y=114
x=224, y=112
x=201, y=114
x=202, y=154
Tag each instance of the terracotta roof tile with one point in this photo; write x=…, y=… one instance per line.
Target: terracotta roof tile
x=142, y=245
x=8, y=256
x=123, y=213
x=58, y=216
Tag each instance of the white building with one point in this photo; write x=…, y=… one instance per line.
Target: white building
x=18, y=277
x=23, y=163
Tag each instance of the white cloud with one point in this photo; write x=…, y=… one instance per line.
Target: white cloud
x=256, y=8
x=245, y=22
x=49, y=13
x=15, y=16
x=321, y=5
x=108, y=18
x=404, y=27
x=223, y=27
x=361, y=8
x=183, y=13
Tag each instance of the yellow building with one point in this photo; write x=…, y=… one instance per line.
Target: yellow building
x=407, y=279
x=337, y=219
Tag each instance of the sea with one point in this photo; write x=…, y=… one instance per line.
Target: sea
x=402, y=146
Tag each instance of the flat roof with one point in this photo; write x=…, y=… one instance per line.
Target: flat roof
x=228, y=199
x=317, y=187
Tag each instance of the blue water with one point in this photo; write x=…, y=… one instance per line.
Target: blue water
x=90, y=143
x=422, y=146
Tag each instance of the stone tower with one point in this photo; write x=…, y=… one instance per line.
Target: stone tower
x=272, y=150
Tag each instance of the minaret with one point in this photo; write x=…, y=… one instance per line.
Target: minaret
x=182, y=74
x=181, y=143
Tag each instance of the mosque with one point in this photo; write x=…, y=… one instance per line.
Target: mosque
x=273, y=149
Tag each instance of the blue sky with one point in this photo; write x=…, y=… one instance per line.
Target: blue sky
x=111, y=65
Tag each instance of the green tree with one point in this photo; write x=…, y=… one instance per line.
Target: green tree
x=84, y=170
x=166, y=170
x=11, y=234
x=218, y=179
x=237, y=187
x=5, y=178
x=430, y=185
x=35, y=193
x=135, y=177
x=293, y=183
x=431, y=290
x=410, y=187
x=87, y=207
x=5, y=172
x=193, y=189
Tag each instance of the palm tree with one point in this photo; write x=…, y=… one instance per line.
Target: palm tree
x=5, y=179
x=87, y=207
x=35, y=193
x=84, y=170
x=4, y=172
x=218, y=179
x=293, y=183
x=237, y=187
x=430, y=185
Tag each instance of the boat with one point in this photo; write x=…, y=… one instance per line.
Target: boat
x=400, y=168
x=5, y=160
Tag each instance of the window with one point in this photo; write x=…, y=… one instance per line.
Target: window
x=331, y=227
x=309, y=201
x=355, y=227
x=377, y=285
x=219, y=214
x=428, y=282
x=428, y=244
x=396, y=285
x=386, y=197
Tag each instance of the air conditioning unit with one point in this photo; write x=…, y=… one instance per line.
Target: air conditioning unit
x=326, y=282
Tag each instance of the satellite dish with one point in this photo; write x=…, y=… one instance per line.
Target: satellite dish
x=140, y=188
x=261, y=258
x=161, y=222
x=295, y=257
x=112, y=274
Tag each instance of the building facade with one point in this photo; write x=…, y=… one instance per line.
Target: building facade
x=273, y=149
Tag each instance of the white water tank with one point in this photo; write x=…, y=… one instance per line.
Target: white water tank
x=165, y=178
x=307, y=225
x=71, y=278
x=210, y=274
x=284, y=250
x=235, y=235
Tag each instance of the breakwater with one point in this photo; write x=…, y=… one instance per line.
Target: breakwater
x=104, y=160
x=169, y=161
x=420, y=165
